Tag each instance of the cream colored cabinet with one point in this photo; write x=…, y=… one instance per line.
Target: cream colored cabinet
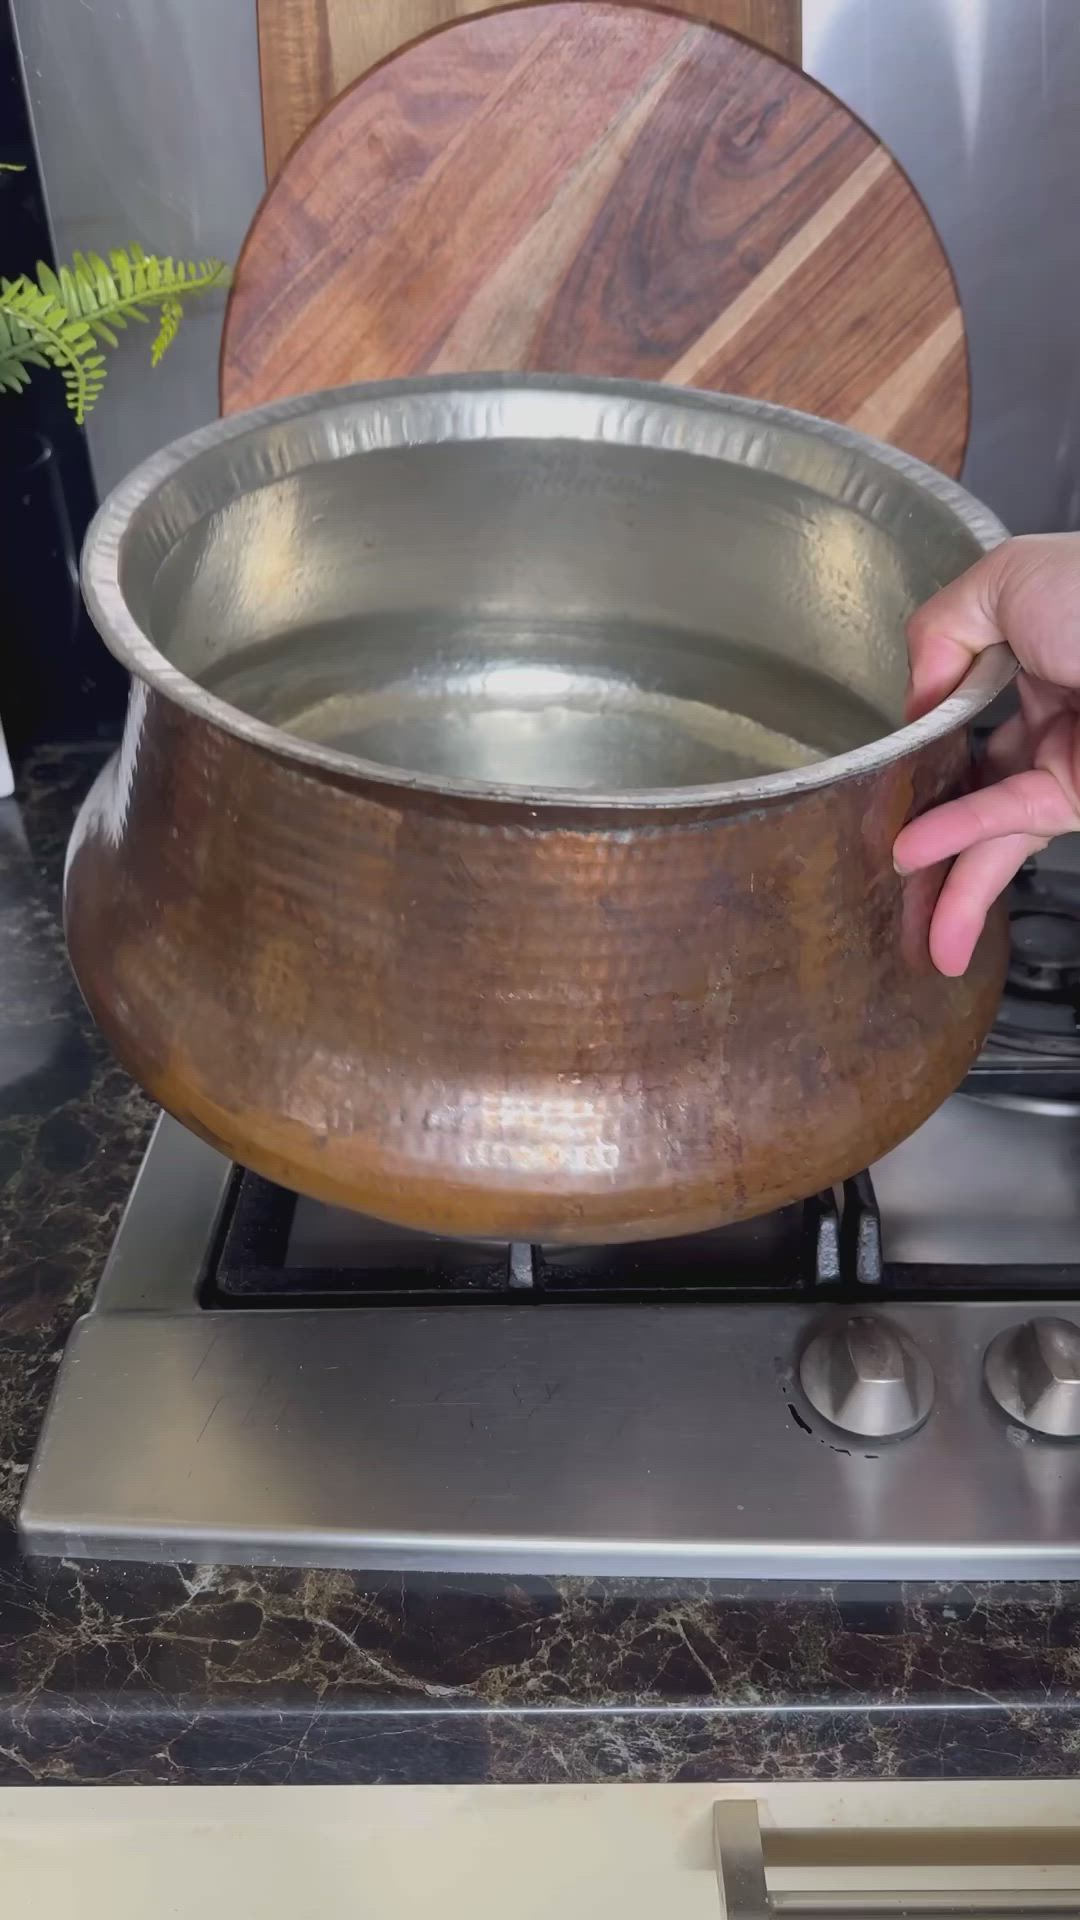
x=474, y=1853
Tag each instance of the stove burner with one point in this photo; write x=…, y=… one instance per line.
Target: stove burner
x=1040, y=1007
x=1045, y=951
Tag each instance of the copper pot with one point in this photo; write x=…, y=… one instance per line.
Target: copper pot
x=500, y=838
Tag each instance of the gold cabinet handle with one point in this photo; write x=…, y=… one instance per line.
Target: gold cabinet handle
x=740, y=1856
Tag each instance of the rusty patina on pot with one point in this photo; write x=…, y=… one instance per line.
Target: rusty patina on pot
x=531, y=1015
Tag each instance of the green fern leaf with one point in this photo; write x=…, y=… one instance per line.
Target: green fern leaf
x=122, y=270
x=40, y=330
x=171, y=315
x=48, y=281
x=102, y=277
x=83, y=290
x=62, y=317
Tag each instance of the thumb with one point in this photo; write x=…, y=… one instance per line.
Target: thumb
x=1027, y=591
x=945, y=635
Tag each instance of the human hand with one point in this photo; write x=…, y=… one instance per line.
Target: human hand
x=1028, y=593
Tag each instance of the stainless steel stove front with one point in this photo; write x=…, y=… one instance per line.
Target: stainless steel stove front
x=619, y=1438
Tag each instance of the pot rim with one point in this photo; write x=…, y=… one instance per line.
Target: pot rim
x=338, y=422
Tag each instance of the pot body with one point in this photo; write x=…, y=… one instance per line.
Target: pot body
x=477, y=1010
x=481, y=1025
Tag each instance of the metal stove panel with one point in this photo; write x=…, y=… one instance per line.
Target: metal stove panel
x=613, y=1438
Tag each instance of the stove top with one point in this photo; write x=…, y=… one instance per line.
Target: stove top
x=882, y=1383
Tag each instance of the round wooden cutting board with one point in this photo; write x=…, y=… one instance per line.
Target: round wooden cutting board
x=610, y=190
x=309, y=50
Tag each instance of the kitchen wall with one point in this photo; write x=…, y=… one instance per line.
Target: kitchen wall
x=146, y=115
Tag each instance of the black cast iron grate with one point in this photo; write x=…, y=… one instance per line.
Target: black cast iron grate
x=260, y=1260
x=267, y=1254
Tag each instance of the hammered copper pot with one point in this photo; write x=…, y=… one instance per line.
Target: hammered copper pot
x=500, y=838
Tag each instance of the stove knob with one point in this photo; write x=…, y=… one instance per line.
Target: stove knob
x=867, y=1378
x=1033, y=1372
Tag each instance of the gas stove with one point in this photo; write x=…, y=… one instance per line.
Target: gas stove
x=882, y=1383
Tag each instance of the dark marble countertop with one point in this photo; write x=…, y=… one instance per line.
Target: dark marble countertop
x=112, y=1673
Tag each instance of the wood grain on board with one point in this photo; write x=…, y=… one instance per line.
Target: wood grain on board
x=310, y=50
x=603, y=189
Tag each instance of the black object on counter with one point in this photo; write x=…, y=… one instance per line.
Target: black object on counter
x=57, y=682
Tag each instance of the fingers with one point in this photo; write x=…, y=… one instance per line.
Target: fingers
x=1032, y=803
x=945, y=635
x=1041, y=704
x=1026, y=592
x=1014, y=744
x=971, y=887
x=1008, y=750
